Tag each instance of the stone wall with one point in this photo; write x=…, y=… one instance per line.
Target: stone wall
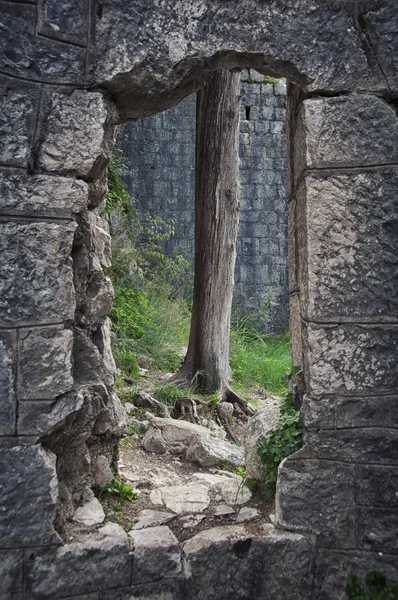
x=68, y=73
x=160, y=173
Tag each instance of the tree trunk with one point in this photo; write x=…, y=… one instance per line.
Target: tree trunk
x=216, y=227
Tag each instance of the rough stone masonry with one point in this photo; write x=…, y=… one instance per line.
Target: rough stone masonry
x=69, y=73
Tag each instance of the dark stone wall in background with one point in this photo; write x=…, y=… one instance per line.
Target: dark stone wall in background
x=160, y=152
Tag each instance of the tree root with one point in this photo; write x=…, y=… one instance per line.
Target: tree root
x=240, y=404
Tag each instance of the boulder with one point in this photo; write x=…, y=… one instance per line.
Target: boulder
x=263, y=422
x=228, y=488
x=211, y=452
x=91, y=513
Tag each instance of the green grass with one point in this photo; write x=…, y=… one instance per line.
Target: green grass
x=259, y=361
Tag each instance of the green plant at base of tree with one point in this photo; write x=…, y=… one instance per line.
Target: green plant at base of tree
x=281, y=442
x=375, y=587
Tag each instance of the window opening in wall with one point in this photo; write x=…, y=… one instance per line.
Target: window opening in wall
x=175, y=432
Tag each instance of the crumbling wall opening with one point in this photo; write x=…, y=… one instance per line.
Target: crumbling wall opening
x=73, y=80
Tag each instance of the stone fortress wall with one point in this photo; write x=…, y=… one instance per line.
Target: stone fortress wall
x=160, y=173
x=69, y=73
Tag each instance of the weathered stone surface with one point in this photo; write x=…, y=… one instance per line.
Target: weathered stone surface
x=373, y=411
x=310, y=496
x=247, y=513
x=7, y=376
x=296, y=345
x=351, y=245
x=72, y=121
x=347, y=131
x=226, y=409
x=11, y=574
x=152, y=518
x=100, y=240
x=227, y=487
x=37, y=279
x=26, y=55
x=66, y=21
x=91, y=513
x=41, y=195
x=318, y=413
x=261, y=425
x=91, y=364
x=211, y=452
x=39, y=418
x=183, y=499
x=95, y=563
x=156, y=554
x=45, y=363
x=380, y=26
x=377, y=529
x=333, y=569
x=28, y=488
x=239, y=565
x=162, y=590
x=304, y=43
x=367, y=444
x=103, y=473
x=350, y=359
x=192, y=441
x=19, y=103
x=377, y=486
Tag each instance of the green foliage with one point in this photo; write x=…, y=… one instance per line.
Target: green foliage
x=169, y=393
x=150, y=315
x=280, y=443
x=257, y=359
x=118, y=487
x=268, y=79
x=249, y=482
x=375, y=588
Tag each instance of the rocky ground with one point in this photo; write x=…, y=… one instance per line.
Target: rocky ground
x=190, y=476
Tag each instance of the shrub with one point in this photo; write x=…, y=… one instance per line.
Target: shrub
x=280, y=443
x=375, y=588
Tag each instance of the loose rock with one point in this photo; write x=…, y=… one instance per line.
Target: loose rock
x=91, y=513
x=152, y=518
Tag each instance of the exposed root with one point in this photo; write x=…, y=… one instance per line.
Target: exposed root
x=240, y=404
x=144, y=400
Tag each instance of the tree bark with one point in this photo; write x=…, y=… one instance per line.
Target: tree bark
x=216, y=226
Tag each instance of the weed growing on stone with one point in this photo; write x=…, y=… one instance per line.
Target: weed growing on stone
x=118, y=487
x=375, y=587
x=280, y=443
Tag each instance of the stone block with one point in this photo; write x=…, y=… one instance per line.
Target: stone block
x=40, y=195
x=45, y=363
x=310, y=496
x=381, y=29
x=11, y=574
x=318, y=413
x=7, y=382
x=39, y=418
x=368, y=444
x=346, y=131
x=72, y=121
x=296, y=348
x=372, y=411
x=350, y=359
x=161, y=590
x=66, y=21
x=156, y=553
x=377, y=485
x=28, y=495
x=377, y=529
x=334, y=568
x=234, y=563
x=37, y=279
x=19, y=104
x=100, y=240
x=97, y=562
x=28, y=56
x=348, y=245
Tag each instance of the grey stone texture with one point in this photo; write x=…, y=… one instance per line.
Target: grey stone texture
x=45, y=363
x=157, y=554
x=160, y=174
x=22, y=194
x=237, y=565
x=31, y=290
x=28, y=490
x=58, y=62
x=72, y=121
